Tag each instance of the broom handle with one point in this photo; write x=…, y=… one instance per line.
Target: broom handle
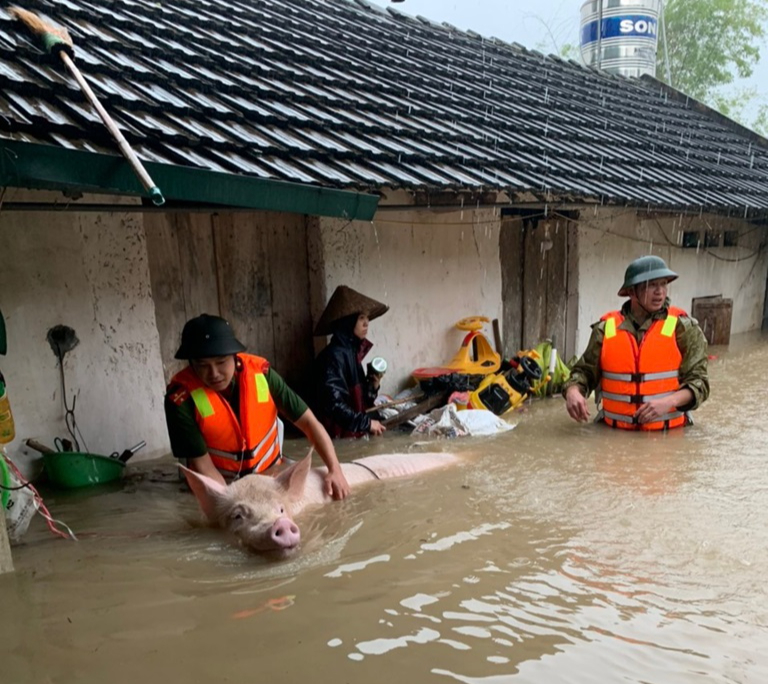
x=122, y=143
x=416, y=397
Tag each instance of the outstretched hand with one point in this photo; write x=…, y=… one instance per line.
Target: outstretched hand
x=335, y=484
x=377, y=428
x=576, y=404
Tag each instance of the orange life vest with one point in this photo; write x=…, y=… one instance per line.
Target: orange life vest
x=633, y=374
x=250, y=444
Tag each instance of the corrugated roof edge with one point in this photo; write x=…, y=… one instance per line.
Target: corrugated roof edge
x=434, y=24
x=687, y=100
x=366, y=4
x=47, y=167
x=400, y=14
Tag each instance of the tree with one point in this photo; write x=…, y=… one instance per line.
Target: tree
x=761, y=120
x=744, y=105
x=710, y=43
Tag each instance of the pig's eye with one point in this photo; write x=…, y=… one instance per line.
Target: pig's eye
x=282, y=510
x=237, y=514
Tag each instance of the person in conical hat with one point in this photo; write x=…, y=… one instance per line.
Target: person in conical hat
x=343, y=392
x=647, y=362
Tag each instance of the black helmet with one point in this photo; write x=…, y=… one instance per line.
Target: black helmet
x=207, y=336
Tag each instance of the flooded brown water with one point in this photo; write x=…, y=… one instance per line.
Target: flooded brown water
x=556, y=553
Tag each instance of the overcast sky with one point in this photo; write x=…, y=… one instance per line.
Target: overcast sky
x=536, y=24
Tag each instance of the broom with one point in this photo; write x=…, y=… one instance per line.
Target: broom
x=58, y=41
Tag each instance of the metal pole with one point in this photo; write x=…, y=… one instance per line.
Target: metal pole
x=600, y=35
x=666, y=49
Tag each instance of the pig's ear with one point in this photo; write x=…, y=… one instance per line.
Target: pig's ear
x=206, y=489
x=293, y=479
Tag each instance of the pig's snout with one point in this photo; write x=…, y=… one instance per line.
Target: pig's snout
x=285, y=534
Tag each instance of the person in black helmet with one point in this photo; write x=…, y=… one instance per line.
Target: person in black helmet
x=222, y=409
x=647, y=363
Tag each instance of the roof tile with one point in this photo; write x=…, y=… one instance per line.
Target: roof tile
x=345, y=92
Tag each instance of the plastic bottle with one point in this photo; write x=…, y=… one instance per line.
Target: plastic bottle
x=7, y=428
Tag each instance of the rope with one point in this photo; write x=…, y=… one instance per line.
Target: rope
x=69, y=413
x=40, y=506
x=14, y=489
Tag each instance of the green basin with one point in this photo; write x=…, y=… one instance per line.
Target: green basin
x=72, y=469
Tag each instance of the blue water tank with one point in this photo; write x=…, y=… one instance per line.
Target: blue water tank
x=630, y=35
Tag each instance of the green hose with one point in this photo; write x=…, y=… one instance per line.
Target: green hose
x=5, y=476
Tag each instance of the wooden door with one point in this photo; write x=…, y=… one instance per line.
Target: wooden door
x=249, y=267
x=538, y=281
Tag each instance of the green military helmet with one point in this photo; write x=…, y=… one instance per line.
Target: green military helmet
x=644, y=269
x=206, y=336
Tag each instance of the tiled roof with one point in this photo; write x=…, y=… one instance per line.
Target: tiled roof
x=345, y=93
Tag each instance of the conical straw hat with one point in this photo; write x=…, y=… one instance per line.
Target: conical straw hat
x=344, y=302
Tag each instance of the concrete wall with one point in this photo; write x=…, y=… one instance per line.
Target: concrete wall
x=609, y=238
x=432, y=267
x=88, y=271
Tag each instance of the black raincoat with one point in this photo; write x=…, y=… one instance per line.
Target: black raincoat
x=342, y=392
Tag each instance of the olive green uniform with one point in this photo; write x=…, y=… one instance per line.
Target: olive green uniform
x=690, y=341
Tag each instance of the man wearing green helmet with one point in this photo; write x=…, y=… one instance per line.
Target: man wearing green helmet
x=647, y=363
x=222, y=410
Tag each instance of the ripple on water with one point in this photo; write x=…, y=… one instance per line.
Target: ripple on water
x=557, y=553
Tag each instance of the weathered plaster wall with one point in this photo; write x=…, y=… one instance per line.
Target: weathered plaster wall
x=432, y=267
x=609, y=238
x=88, y=271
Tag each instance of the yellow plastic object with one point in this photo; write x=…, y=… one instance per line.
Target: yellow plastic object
x=472, y=323
x=496, y=394
x=539, y=359
x=486, y=360
x=504, y=392
x=7, y=428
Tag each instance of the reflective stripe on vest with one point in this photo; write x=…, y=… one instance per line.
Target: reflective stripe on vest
x=639, y=377
x=668, y=329
x=633, y=374
x=202, y=402
x=631, y=420
x=635, y=399
x=262, y=388
x=245, y=456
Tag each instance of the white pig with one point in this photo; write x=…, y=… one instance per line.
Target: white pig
x=259, y=509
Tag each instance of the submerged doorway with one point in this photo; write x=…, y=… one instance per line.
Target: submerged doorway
x=538, y=255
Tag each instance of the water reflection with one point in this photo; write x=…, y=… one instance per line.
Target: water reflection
x=557, y=552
